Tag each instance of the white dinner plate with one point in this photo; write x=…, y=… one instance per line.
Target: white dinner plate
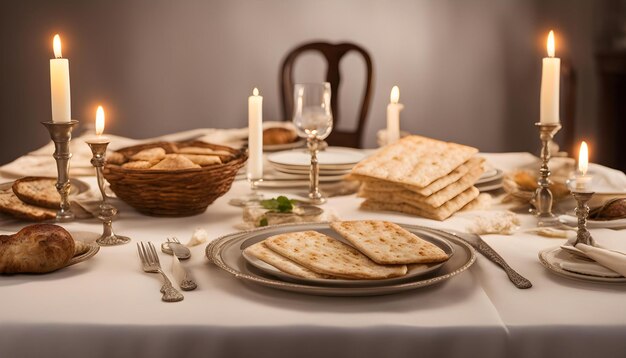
x=490, y=176
x=306, y=171
x=550, y=259
x=607, y=224
x=331, y=158
x=413, y=272
x=226, y=253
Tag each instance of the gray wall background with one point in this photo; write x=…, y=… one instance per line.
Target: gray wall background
x=469, y=71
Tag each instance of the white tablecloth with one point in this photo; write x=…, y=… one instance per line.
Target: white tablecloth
x=108, y=307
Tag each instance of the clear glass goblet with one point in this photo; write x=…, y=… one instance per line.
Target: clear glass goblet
x=313, y=119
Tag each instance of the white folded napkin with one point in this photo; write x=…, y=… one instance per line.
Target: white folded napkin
x=613, y=260
x=588, y=268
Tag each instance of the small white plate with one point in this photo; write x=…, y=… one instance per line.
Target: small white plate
x=490, y=175
x=331, y=158
x=488, y=187
x=606, y=224
x=551, y=258
x=323, y=172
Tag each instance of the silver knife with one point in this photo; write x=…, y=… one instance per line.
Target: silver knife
x=481, y=246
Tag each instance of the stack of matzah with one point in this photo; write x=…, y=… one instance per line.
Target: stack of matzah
x=420, y=176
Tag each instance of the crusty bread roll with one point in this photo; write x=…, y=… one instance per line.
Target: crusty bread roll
x=278, y=135
x=38, y=248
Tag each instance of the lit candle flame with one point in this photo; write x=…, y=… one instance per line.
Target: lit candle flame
x=56, y=45
x=255, y=91
x=551, y=45
x=395, y=95
x=99, y=121
x=583, y=158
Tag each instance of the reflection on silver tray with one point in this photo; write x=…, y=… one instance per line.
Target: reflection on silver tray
x=549, y=258
x=414, y=271
x=225, y=252
x=92, y=251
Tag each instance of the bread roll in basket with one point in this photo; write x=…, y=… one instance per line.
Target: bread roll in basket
x=173, y=192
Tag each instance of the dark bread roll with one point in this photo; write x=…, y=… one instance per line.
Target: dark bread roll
x=38, y=248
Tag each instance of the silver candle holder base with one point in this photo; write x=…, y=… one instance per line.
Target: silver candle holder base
x=315, y=196
x=61, y=135
x=543, y=198
x=107, y=211
x=583, y=236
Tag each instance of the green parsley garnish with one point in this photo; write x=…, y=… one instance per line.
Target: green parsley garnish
x=282, y=204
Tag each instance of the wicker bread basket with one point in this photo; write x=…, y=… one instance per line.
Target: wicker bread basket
x=182, y=192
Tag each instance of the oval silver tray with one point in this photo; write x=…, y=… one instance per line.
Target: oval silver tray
x=226, y=253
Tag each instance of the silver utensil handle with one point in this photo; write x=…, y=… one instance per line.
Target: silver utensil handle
x=170, y=294
x=518, y=280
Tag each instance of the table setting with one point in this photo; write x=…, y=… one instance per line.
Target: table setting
x=266, y=240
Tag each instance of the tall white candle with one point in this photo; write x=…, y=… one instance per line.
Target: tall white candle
x=393, y=116
x=60, y=84
x=550, y=77
x=255, y=136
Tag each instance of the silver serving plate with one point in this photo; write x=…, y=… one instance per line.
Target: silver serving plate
x=226, y=253
x=414, y=270
x=92, y=251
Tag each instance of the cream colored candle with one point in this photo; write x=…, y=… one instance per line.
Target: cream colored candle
x=255, y=136
x=393, y=116
x=60, y=84
x=550, y=77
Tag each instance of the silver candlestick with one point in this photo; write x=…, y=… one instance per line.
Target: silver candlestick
x=543, y=196
x=107, y=211
x=582, y=212
x=315, y=196
x=61, y=135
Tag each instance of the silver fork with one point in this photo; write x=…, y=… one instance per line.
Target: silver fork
x=150, y=261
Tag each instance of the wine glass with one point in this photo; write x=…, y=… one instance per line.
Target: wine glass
x=313, y=119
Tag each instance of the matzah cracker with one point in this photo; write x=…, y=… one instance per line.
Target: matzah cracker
x=415, y=160
x=263, y=253
x=326, y=255
x=435, y=200
x=433, y=187
x=203, y=151
x=391, y=203
x=175, y=162
x=38, y=191
x=387, y=243
x=150, y=155
x=203, y=160
x=12, y=205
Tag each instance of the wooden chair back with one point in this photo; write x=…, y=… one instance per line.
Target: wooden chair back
x=333, y=53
